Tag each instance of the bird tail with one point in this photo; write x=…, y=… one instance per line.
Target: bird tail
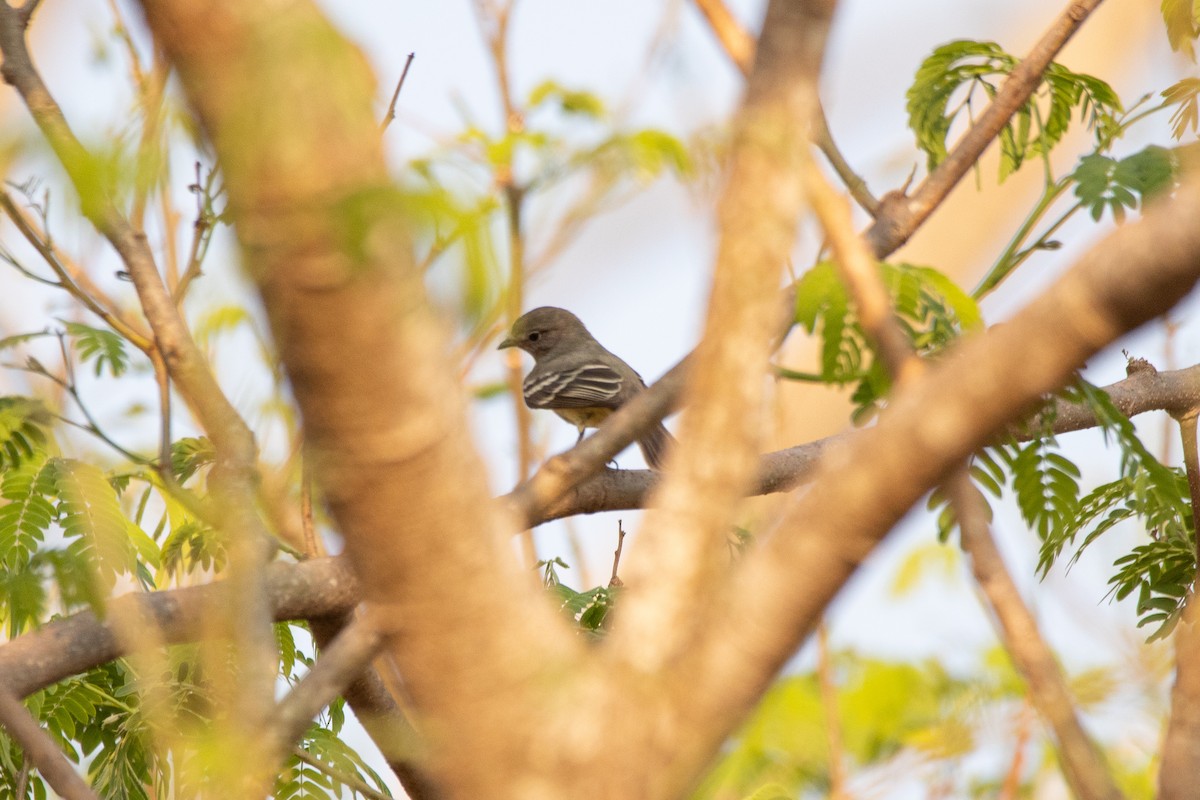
x=654, y=445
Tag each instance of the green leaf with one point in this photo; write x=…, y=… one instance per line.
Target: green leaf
x=190, y=454
x=220, y=320
x=28, y=511
x=1103, y=182
x=286, y=646
x=654, y=151
x=931, y=558
x=193, y=546
x=772, y=791
x=931, y=309
x=326, y=747
x=103, y=346
x=936, y=286
x=1046, y=487
x=24, y=423
x=18, y=339
x=1161, y=570
x=452, y=223
x=569, y=101
x=943, y=73
x=1183, y=25
x=1187, y=115
x=823, y=304
x=23, y=600
x=91, y=514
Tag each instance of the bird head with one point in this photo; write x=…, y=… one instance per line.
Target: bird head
x=538, y=331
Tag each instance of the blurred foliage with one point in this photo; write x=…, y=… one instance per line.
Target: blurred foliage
x=911, y=720
x=566, y=162
x=1104, y=182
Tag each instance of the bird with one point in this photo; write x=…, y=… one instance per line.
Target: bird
x=574, y=376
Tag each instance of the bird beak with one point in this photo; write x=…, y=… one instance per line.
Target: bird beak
x=507, y=341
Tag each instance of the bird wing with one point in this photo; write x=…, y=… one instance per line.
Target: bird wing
x=590, y=385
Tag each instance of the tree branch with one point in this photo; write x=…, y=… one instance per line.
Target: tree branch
x=622, y=490
x=310, y=590
x=383, y=718
x=322, y=591
x=41, y=750
x=323, y=232
x=1084, y=768
x=1082, y=762
x=557, y=486
x=713, y=463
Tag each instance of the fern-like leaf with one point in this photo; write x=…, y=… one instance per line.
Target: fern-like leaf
x=1046, y=486
x=24, y=422
x=28, y=511
x=92, y=515
x=191, y=454
x=103, y=347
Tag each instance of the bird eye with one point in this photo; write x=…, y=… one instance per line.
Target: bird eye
x=533, y=337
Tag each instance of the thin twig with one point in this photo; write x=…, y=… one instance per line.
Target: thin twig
x=311, y=547
x=162, y=379
x=391, y=110
x=202, y=229
x=614, y=580
x=23, y=778
x=1011, y=787
x=494, y=20
x=739, y=46
x=41, y=750
x=73, y=278
x=833, y=719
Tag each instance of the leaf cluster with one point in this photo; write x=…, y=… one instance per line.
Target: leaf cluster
x=590, y=610
x=1102, y=181
x=1045, y=484
x=887, y=712
x=930, y=308
x=946, y=83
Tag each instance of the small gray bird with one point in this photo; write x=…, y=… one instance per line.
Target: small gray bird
x=576, y=378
